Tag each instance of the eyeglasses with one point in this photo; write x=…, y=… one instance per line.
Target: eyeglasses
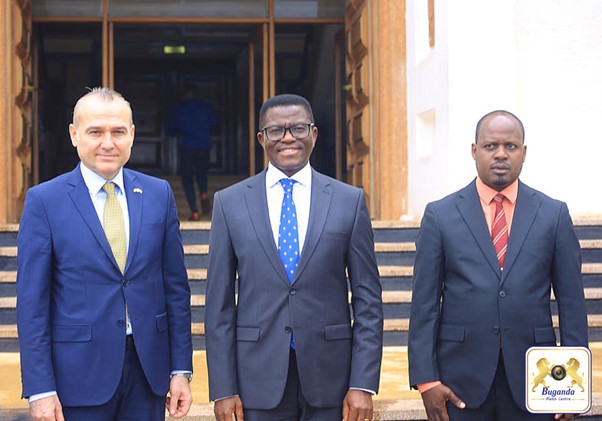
x=298, y=131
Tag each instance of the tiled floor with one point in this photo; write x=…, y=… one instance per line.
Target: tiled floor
x=394, y=377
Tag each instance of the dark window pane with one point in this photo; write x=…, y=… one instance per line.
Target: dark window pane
x=189, y=8
x=310, y=9
x=63, y=8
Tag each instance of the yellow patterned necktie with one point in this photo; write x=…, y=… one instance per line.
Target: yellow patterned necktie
x=114, y=226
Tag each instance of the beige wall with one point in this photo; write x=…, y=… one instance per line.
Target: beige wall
x=537, y=58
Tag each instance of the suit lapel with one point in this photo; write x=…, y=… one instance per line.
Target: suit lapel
x=470, y=207
x=134, y=200
x=527, y=205
x=257, y=206
x=82, y=202
x=321, y=196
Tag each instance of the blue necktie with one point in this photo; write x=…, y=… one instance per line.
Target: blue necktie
x=288, y=237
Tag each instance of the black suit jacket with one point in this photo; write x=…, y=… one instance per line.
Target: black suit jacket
x=465, y=310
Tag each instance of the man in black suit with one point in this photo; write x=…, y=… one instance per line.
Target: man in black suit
x=487, y=258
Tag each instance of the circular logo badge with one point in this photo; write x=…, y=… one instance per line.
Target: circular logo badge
x=558, y=372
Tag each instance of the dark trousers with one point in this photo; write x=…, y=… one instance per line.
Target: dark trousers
x=293, y=405
x=133, y=400
x=498, y=406
x=194, y=163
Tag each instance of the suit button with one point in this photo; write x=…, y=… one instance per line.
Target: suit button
x=496, y=329
x=288, y=329
x=502, y=294
x=120, y=322
x=125, y=283
x=292, y=291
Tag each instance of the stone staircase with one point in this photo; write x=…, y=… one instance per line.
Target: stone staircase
x=395, y=250
x=214, y=183
x=395, y=253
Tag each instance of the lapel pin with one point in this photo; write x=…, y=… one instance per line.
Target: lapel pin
x=137, y=190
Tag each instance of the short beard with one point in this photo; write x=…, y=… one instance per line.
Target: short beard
x=500, y=182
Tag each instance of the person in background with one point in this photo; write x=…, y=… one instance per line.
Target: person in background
x=282, y=346
x=194, y=120
x=103, y=301
x=487, y=257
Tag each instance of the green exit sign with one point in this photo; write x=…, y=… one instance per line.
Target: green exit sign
x=174, y=49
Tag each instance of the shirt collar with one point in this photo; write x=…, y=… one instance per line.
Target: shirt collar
x=274, y=175
x=94, y=182
x=486, y=193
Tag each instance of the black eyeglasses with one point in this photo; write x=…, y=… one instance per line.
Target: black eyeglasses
x=277, y=133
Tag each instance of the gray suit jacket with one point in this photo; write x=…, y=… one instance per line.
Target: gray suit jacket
x=248, y=338
x=465, y=310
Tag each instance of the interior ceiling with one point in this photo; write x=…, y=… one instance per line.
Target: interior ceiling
x=147, y=40
x=214, y=41
x=225, y=41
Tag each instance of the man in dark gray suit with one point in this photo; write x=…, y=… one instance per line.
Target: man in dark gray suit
x=286, y=348
x=487, y=257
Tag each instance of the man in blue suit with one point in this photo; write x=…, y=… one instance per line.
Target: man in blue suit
x=487, y=258
x=285, y=347
x=103, y=302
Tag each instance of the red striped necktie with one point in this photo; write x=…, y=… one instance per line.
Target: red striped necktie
x=499, y=230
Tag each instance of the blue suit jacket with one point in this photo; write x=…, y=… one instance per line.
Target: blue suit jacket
x=248, y=340
x=71, y=294
x=465, y=310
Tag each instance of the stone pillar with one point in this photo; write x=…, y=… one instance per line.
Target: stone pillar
x=389, y=100
x=5, y=144
x=15, y=107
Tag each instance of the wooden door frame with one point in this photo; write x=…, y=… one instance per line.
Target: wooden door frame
x=260, y=36
x=267, y=31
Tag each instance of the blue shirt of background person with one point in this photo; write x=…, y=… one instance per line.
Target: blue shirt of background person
x=193, y=120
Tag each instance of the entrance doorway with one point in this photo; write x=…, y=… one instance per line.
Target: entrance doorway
x=151, y=63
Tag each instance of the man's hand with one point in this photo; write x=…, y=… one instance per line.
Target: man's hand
x=357, y=406
x=565, y=417
x=224, y=409
x=434, y=402
x=47, y=409
x=180, y=398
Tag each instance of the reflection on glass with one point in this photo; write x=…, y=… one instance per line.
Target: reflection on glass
x=189, y=8
x=66, y=8
x=69, y=59
x=309, y=9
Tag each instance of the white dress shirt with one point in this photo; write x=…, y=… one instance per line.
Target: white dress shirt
x=301, y=197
